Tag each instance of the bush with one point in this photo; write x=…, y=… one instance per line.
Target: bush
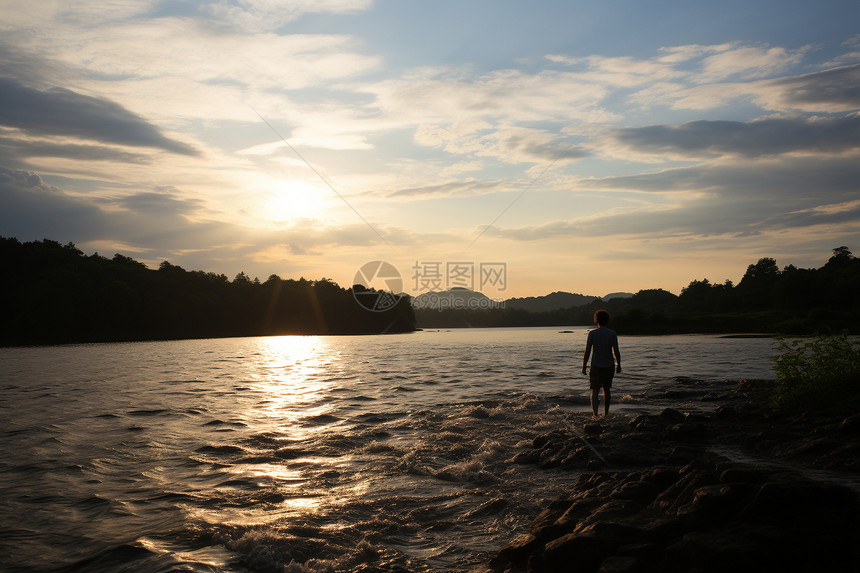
x=824, y=371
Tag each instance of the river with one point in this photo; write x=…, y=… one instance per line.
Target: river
x=303, y=453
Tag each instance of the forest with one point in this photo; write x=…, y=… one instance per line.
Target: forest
x=53, y=294
x=767, y=300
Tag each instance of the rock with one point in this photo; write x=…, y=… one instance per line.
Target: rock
x=620, y=564
x=751, y=475
x=593, y=429
x=719, y=552
x=850, y=424
x=717, y=503
x=684, y=454
x=574, y=553
x=530, y=457
x=552, y=513
x=680, y=506
x=642, y=492
x=608, y=512
x=661, y=476
x=517, y=551
x=672, y=415
x=790, y=499
x=722, y=412
x=686, y=432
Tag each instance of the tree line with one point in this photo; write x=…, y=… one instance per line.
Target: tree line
x=53, y=293
x=766, y=300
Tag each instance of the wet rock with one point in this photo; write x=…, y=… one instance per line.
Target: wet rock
x=620, y=564
x=685, y=432
x=680, y=506
x=685, y=453
x=745, y=474
x=593, y=429
x=672, y=415
x=576, y=553
x=518, y=550
x=850, y=424
x=641, y=492
x=529, y=457
x=723, y=412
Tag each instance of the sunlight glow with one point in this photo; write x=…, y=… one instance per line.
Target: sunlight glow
x=294, y=200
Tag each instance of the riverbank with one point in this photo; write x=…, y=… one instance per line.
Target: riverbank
x=732, y=486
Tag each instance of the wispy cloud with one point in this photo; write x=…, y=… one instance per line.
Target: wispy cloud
x=453, y=188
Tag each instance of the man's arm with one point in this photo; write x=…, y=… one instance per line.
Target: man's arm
x=617, y=356
x=587, y=354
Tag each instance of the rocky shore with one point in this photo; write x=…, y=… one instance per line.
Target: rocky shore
x=733, y=485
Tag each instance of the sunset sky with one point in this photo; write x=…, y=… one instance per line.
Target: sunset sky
x=590, y=146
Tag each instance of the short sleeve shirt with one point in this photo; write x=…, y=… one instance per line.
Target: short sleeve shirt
x=603, y=340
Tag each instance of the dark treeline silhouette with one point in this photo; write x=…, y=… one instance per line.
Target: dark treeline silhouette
x=766, y=300
x=53, y=293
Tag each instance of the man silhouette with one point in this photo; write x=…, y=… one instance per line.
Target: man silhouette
x=603, y=342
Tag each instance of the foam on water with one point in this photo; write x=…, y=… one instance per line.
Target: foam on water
x=301, y=453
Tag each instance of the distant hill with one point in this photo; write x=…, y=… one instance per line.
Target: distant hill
x=463, y=298
x=457, y=298
x=612, y=295
x=766, y=300
x=552, y=301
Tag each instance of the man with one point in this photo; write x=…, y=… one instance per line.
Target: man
x=603, y=342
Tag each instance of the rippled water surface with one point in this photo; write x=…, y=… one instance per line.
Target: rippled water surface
x=302, y=453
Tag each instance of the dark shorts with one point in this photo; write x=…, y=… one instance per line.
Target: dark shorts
x=600, y=377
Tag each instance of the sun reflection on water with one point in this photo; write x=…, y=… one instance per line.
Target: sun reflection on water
x=290, y=379
x=291, y=375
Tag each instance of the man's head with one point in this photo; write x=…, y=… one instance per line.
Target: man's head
x=601, y=317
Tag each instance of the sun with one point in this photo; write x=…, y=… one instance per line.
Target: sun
x=294, y=200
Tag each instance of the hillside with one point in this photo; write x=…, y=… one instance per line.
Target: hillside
x=552, y=301
x=766, y=300
x=53, y=293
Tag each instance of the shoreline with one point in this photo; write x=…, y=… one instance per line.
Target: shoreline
x=721, y=483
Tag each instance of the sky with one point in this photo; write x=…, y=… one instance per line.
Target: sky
x=587, y=147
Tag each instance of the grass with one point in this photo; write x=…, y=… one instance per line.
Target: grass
x=821, y=372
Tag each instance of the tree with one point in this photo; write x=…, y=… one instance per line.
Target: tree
x=841, y=257
x=764, y=271
x=242, y=279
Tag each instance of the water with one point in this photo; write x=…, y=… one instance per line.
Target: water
x=387, y=453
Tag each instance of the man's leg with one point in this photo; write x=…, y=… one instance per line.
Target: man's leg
x=595, y=400
x=607, y=397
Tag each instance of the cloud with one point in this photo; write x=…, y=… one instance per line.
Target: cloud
x=829, y=90
x=623, y=71
x=155, y=204
x=21, y=150
x=746, y=139
x=816, y=180
x=59, y=111
x=445, y=96
x=510, y=144
x=679, y=54
x=749, y=62
x=723, y=199
x=260, y=15
x=450, y=189
x=33, y=209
